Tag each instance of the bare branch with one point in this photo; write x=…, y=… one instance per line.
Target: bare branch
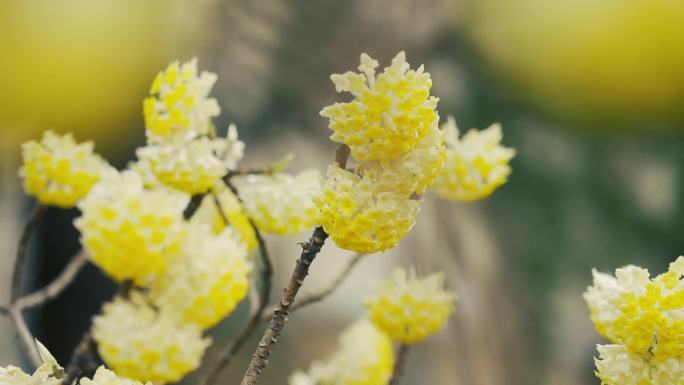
x=18, y=271
x=312, y=298
x=310, y=249
x=400, y=364
x=25, y=336
x=55, y=288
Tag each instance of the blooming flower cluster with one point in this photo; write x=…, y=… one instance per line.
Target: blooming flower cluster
x=411, y=308
x=476, y=164
x=140, y=342
x=51, y=373
x=58, y=171
x=281, y=203
x=364, y=357
x=642, y=317
x=391, y=129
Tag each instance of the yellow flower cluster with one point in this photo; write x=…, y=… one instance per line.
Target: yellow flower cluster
x=476, y=164
x=131, y=232
x=281, y=203
x=180, y=105
x=182, y=150
x=51, y=373
x=617, y=365
x=391, y=128
x=365, y=357
x=390, y=113
x=208, y=281
x=128, y=231
x=139, y=342
x=410, y=308
x=360, y=218
x=641, y=316
x=58, y=171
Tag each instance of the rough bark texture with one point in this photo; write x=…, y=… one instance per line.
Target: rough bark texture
x=282, y=309
x=400, y=364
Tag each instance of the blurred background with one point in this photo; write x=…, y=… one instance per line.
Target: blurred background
x=590, y=93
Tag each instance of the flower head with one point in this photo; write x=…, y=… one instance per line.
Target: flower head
x=641, y=313
x=281, y=203
x=476, y=164
x=104, y=376
x=209, y=279
x=364, y=357
x=179, y=104
x=390, y=113
x=410, y=308
x=358, y=217
x=128, y=231
x=58, y=171
x=144, y=344
x=617, y=365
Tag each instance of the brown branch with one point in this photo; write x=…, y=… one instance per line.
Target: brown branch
x=57, y=285
x=18, y=271
x=193, y=205
x=260, y=358
x=316, y=297
x=249, y=171
x=400, y=364
x=15, y=312
x=266, y=274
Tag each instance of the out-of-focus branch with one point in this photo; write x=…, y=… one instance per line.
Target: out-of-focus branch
x=400, y=364
x=18, y=270
x=15, y=312
x=55, y=288
x=310, y=249
x=315, y=297
x=266, y=280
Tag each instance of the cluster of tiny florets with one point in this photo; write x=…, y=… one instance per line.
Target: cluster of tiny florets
x=410, y=308
x=476, y=164
x=640, y=315
x=179, y=105
x=281, y=203
x=391, y=129
x=364, y=357
x=141, y=342
x=131, y=232
x=208, y=281
x=59, y=171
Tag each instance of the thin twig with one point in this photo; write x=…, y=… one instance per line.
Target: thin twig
x=400, y=364
x=15, y=291
x=306, y=300
x=260, y=358
x=18, y=271
x=55, y=288
x=266, y=279
x=193, y=205
x=250, y=171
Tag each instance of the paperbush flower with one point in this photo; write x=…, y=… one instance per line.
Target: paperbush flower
x=411, y=173
x=364, y=357
x=58, y=171
x=192, y=166
x=142, y=343
x=358, y=217
x=641, y=313
x=128, y=231
x=104, y=376
x=234, y=213
x=281, y=203
x=48, y=373
x=410, y=308
x=179, y=105
x=617, y=365
x=390, y=113
x=209, y=279
x=476, y=164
